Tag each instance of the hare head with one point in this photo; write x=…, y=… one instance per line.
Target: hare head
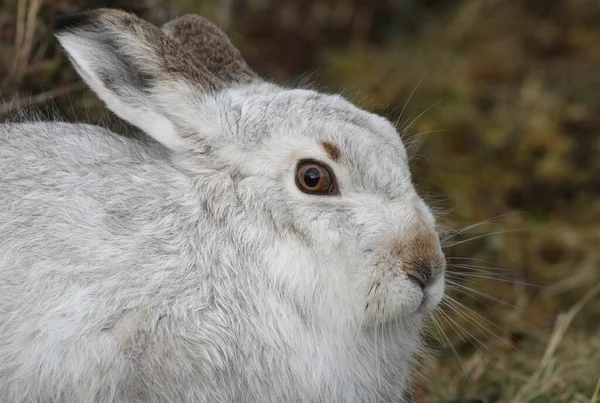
x=317, y=190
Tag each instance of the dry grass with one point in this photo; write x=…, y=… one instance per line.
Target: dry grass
x=505, y=123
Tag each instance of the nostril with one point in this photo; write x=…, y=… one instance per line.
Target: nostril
x=420, y=271
x=417, y=277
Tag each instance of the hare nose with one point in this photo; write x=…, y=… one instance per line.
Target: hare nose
x=420, y=255
x=424, y=269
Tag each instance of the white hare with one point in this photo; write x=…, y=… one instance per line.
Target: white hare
x=269, y=247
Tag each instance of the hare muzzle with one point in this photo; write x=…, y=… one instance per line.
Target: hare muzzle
x=420, y=254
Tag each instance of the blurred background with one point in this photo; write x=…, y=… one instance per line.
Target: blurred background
x=499, y=103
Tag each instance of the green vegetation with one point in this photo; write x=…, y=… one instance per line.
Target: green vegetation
x=500, y=103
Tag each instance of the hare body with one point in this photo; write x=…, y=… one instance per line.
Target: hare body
x=196, y=270
x=117, y=286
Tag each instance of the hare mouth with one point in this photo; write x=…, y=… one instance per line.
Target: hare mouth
x=403, y=300
x=432, y=296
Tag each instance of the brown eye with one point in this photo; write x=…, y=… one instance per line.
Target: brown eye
x=315, y=178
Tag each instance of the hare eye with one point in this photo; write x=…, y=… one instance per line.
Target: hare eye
x=315, y=178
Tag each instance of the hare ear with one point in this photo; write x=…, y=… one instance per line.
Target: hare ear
x=141, y=74
x=210, y=47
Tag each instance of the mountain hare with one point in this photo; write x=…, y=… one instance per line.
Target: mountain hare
x=268, y=247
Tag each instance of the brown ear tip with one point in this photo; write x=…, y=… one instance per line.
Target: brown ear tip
x=69, y=23
x=74, y=22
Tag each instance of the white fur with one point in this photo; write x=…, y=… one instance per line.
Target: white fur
x=129, y=274
x=142, y=114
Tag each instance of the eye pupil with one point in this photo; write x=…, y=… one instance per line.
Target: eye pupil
x=312, y=176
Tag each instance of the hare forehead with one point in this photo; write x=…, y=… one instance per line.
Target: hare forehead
x=269, y=110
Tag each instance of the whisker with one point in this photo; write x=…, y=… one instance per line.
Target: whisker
x=448, y=275
x=476, y=274
x=481, y=236
x=439, y=332
x=476, y=317
x=469, y=291
x=476, y=268
x=466, y=315
x=468, y=275
x=478, y=326
x=455, y=353
x=412, y=93
x=472, y=338
x=478, y=224
x=410, y=144
x=464, y=335
x=502, y=279
x=452, y=258
x=470, y=296
x=377, y=354
x=406, y=128
x=449, y=344
x=430, y=131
